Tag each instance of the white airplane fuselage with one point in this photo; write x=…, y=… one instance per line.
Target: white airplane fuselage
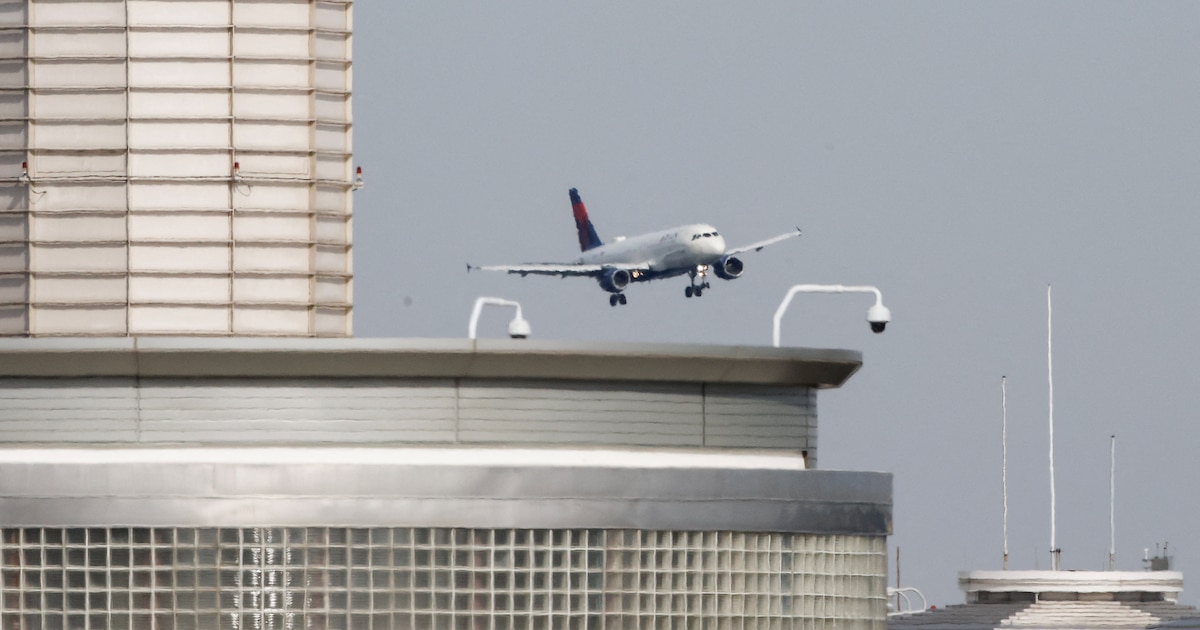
x=682, y=248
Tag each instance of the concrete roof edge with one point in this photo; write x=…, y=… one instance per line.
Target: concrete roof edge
x=421, y=357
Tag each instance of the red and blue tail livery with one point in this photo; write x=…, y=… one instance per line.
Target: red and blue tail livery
x=692, y=250
x=588, y=239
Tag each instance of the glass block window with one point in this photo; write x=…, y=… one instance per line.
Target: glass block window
x=373, y=578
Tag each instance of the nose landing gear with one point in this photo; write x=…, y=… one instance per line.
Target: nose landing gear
x=616, y=298
x=696, y=289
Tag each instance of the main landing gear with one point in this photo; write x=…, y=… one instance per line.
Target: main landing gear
x=616, y=298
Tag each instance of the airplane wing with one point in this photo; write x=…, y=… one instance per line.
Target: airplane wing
x=761, y=244
x=559, y=269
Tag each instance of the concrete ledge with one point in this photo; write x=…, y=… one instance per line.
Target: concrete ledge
x=428, y=358
x=1069, y=585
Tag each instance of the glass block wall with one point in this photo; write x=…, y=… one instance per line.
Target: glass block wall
x=372, y=578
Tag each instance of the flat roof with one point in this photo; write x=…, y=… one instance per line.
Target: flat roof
x=423, y=358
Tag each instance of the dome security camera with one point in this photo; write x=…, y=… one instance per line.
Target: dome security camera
x=519, y=328
x=878, y=317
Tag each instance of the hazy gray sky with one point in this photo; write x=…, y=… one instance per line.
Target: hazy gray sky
x=960, y=156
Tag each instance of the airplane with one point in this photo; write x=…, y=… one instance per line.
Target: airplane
x=692, y=249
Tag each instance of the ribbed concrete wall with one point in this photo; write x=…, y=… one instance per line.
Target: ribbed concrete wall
x=188, y=167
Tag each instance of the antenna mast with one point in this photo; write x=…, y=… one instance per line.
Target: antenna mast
x=1004, y=461
x=1055, y=552
x=1112, y=502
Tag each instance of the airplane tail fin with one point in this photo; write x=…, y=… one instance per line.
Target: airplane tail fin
x=588, y=238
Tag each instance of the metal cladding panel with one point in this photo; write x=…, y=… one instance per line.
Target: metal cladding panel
x=332, y=259
x=13, y=105
x=81, y=289
x=14, y=227
x=79, y=73
x=14, y=135
x=276, y=135
x=14, y=289
x=297, y=411
x=212, y=289
x=274, y=319
x=13, y=12
x=178, y=319
x=178, y=196
x=168, y=164
x=78, y=227
x=179, y=258
x=94, y=319
x=332, y=106
x=265, y=227
x=82, y=196
x=174, y=12
x=335, y=46
x=178, y=225
x=99, y=163
x=333, y=15
x=286, y=258
x=272, y=13
x=12, y=43
x=270, y=43
x=760, y=416
x=271, y=195
x=14, y=74
x=14, y=320
x=44, y=410
x=176, y=43
x=332, y=290
x=333, y=229
x=13, y=258
x=273, y=104
x=182, y=103
x=173, y=134
x=272, y=73
x=183, y=73
x=451, y=411
x=90, y=13
x=387, y=488
x=575, y=413
x=73, y=43
x=78, y=258
x=78, y=136
x=274, y=288
x=333, y=321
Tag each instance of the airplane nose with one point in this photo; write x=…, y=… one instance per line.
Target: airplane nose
x=718, y=245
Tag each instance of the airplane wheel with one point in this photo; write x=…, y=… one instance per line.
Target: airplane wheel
x=612, y=300
x=699, y=292
x=622, y=299
x=687, y=292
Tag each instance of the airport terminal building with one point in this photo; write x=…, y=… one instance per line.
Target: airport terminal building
x=303, y=483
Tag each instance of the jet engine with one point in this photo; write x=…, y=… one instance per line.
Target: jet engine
x=614, y=280
x=728, y=268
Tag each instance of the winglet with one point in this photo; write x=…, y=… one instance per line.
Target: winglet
x=588, y=238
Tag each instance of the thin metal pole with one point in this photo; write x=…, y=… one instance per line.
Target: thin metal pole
x=1004, y=461
x=1054, y=550
x=1112, y=502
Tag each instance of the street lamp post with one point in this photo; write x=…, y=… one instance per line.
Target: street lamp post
x=518, y=328
x=877, y=316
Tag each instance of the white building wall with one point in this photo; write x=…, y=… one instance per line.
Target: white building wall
x=188, y=167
